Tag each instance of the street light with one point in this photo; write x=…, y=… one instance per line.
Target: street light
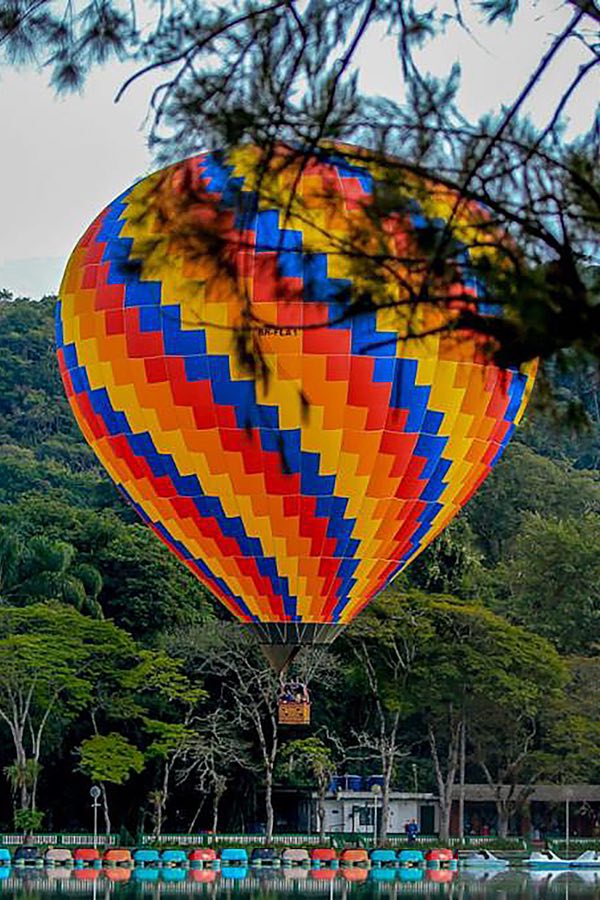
x=94, y=794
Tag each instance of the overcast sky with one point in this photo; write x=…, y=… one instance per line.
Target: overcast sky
x=62, y=161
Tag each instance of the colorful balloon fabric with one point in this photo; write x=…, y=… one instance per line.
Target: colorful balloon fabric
x=298, y=492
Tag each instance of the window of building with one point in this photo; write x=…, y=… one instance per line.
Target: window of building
x=363, y=815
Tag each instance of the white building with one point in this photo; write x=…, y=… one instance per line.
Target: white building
x=355, y=812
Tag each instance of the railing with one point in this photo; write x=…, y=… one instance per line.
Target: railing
x=255, y=840
x=576, y=844
x=507, y=843
x=66, y=840
x=337, y=839
x=425, y=841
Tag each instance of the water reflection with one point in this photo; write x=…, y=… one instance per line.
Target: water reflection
x=244, y=883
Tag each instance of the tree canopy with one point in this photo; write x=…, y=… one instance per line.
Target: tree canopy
x=273, y=73
x=493, y=632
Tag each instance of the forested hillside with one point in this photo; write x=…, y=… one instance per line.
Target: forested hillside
x=52, y=489
x=147, y=691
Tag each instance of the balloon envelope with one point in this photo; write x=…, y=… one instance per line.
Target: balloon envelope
x=295, y=493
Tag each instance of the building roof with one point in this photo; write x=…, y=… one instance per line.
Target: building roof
x=546, y=793
x=369, y=795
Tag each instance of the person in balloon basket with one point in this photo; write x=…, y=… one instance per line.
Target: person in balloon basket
x=294, y=693
x=412, y=830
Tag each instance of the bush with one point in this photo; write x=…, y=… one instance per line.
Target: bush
x=28, y=820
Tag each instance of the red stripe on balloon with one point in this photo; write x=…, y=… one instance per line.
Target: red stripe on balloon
x=207, y=581
x=207, y=526
x=164, y=487
x=315, y=528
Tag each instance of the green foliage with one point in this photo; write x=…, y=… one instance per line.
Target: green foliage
x=550, y=581
x=25, y=472
x=43, y=569
x=54, y=663
x=51, y=653
x=523, y=483
x=432, y=651
x=167, y=738
x=571, y=727
x=22, y=774
x=110, y=757
x=162, y=676
x=33, y=407
x=451, y=565
x=146, y=589
x=28, y=821
x=67, y=534
x=77, y=568
x=308, y=760
x=389, y=637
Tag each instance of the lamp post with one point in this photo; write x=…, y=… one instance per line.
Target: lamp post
x=95, y=794
x=567, y=821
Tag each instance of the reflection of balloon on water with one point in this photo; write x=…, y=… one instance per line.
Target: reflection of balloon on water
x=298, y=492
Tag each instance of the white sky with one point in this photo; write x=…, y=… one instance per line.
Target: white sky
x=62, y=161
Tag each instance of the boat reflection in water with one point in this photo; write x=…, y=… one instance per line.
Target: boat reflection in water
x=247, y=882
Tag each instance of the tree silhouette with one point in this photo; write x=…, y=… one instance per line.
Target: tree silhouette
x=279, y=73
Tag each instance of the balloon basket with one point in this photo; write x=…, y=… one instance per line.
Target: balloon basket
x=291, y=713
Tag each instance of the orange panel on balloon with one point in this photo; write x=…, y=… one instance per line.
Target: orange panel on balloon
x=297, y=493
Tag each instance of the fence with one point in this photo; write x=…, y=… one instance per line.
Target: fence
x=507, y=843
x=338, y=840
x=254, y=840
x=576, y=844
x=66, y=840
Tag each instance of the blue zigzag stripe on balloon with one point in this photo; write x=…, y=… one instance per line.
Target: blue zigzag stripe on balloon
x=198, y=564
x=189, y=345
x=240, y=395
x=162, y=464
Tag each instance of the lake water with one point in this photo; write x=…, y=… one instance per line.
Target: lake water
x=123, y=884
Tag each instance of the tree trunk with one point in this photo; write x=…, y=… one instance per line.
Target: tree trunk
x=195, y=816
x=158, y=814
x=22, y=763
x=24, y=797
x=21, y=766
x=503, y=818
x=444, y=821
x=508, y=800
x=19, y=721
x=35, y=774
x=388, y=765
x=445, y=781
x=107, y=825
x=215, y=809
x=269, y=804
x=461, y=779
x=321, y=811
x=36, y=741
x=269, y=756
x=163, y=795
x=159, y=817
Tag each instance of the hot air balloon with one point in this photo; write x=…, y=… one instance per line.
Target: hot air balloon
x=295, y=457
